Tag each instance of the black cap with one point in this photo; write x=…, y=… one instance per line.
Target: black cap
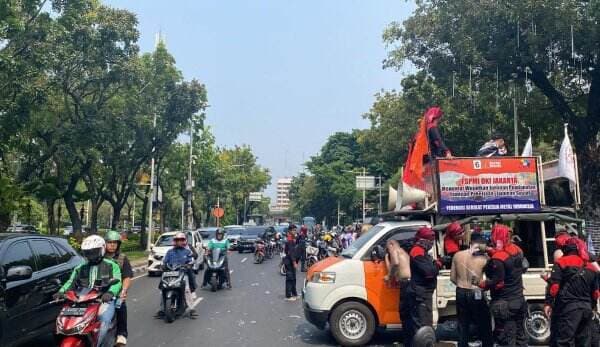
x=292, y=227
x=497, y=136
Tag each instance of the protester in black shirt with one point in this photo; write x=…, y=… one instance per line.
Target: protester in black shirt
x=291, y=264
x=113, y=244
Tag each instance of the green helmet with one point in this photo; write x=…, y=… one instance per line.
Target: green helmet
x=112, y=235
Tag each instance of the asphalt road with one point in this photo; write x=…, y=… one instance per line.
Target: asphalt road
x=253, y=313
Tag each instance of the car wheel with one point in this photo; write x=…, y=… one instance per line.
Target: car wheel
x=151, y=273
x=352, y=324
x=537, y=325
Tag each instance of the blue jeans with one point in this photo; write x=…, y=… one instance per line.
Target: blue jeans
x=105, y=319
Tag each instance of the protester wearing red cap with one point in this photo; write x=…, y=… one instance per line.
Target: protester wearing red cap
x=417, y=294
x=504, y=280
x=454, y=234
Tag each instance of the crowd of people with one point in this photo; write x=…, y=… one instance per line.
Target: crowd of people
x=496, y=266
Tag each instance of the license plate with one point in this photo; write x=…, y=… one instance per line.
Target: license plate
x=171, y=274
x=73, y=311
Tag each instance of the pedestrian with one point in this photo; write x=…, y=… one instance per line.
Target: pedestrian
x=494, y=147
x=301, y=247
x=113, y=251
x=452, y=242
x=571, y=295
x=504, y=280
x=291, y=264
x=416, y=296
x=471, y=306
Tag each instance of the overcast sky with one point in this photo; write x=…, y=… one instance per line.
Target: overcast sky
x=281, y=76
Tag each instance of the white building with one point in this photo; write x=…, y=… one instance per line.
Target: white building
x=282, y=201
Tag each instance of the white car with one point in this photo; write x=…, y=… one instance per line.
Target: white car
x=233, y=233
x=165, y=242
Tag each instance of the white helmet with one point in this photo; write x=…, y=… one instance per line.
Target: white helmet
x=93, y=248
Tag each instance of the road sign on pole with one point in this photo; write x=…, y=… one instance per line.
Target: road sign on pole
x=365, y=182
x=255, y=196
x=218, y=212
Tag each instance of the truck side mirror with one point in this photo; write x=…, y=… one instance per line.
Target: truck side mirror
x=378, y=253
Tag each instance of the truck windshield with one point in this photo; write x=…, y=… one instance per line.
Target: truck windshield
x=361, y=241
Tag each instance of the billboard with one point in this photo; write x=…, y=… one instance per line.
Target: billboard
x=488, y=185
x=365, y=182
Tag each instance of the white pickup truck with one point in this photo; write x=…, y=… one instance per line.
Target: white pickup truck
x=348, y=292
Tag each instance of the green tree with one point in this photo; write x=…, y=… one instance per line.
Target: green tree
x=514, y=45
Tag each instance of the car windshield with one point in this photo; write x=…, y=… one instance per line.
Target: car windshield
x=234, y=231
x=361, y=241
x=253, y=231
x=208, y=234
x=167, y=240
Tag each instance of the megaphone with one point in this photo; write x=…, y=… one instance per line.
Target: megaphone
x=405, y=195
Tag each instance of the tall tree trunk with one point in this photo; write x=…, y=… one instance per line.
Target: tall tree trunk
x=59, y=215
x=116, y=219
x=96, y=204
x=589, y=170
x=4, y=221
x=163, y=212
x=50, y=215
x=73, y=215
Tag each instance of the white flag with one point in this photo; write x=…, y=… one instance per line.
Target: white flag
x=528, y=150
x=566, y=161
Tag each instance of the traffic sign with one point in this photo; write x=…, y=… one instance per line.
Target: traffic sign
x=218, y=212
x=256, y=196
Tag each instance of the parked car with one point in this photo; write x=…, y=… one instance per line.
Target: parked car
x=68, y=230
x=32, y=269
x=207, y=235
x=22, y=228
x=233, y=232
x=165, y=242
x=249, y=237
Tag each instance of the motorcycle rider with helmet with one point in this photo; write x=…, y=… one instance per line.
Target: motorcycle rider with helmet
x=180, y=254
x=96, y=268
x=220, y=242
x=113, y=245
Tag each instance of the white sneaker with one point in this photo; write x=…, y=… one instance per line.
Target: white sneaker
x=121, y=340
x=193, y=296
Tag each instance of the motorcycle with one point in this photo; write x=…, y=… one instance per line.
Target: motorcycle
x=77, y=323
x=311, y=256
x=282, y=268
x=216, y=269
x=174, y=289
x=259, y=253
x=271, y=248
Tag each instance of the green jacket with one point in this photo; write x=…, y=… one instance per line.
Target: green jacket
x=223, y=244
x=86, y=275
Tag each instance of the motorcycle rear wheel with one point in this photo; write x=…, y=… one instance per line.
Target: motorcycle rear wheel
x=170, y=309
x=213, y=283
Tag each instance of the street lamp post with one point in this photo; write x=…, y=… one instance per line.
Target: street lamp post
x=150, y=226
x=190, y=183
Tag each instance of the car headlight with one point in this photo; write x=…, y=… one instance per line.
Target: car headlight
x=323, y=277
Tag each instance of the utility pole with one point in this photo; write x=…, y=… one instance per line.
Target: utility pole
x=150, y=226
x=245, y=210
x=338, y=214
x=182, y=214
x=380, y=184
x=190, y=183
x=133, y=216
x=516, y=123
x=218, y=206
x=364, y=195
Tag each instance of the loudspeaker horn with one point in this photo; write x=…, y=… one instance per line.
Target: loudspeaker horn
x=407, y=195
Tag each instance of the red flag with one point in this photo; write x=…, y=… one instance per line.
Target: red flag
x=418, y=149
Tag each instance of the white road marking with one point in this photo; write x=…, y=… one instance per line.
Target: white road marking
x=230, y=271
x=196, y=302
x=243, y=260
x=136, y=277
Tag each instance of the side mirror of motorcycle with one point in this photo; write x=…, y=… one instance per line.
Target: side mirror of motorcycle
x=378, y=253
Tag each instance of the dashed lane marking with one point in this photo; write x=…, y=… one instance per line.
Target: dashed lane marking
x=243, y=260
x=136, y=277
x=196, y=302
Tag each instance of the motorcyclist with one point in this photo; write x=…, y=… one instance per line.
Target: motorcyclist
x=504, y=280
x=220, y=242
x=417, y=294
x=113, y=245
x=96, y=270
x=571, y=295
x=180, y=254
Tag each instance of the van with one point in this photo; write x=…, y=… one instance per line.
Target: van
x=348, y=293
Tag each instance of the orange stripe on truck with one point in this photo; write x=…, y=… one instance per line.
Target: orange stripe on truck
x=321, y=266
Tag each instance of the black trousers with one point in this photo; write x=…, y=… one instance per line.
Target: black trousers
x=290, y=281
x=473, y=312
x=573, y=326
x=509, y=317
x=192, y=279
x=122, y=319
x=415, y=310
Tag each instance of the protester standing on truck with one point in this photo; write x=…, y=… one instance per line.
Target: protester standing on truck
x=471, y=305
x=504, y=280
x=494, y=147
x=571, y=295
x=437, y=147
x=416, y=298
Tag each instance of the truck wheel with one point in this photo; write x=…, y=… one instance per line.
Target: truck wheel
x=352, y=324
x=537, y=325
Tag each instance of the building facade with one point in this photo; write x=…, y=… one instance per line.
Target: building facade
x=282, y=201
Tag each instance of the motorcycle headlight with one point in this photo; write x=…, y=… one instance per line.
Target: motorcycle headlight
x=323, y=277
